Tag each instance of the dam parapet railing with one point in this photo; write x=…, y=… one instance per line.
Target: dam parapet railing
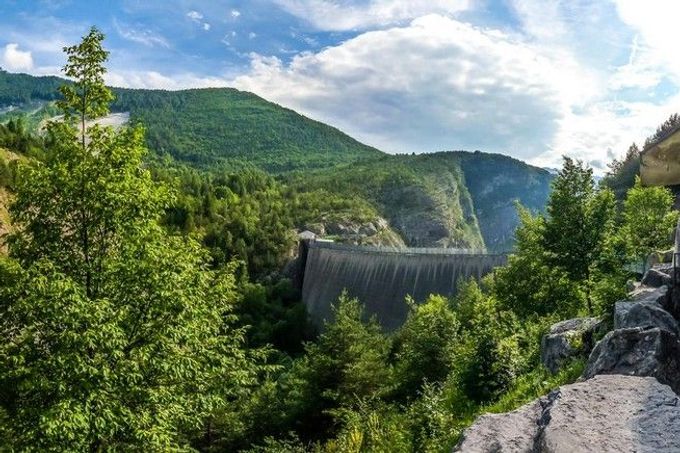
x=399, y=250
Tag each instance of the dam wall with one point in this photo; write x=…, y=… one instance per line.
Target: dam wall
x=382, y=278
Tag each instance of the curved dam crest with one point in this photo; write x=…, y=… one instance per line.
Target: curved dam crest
x=382, y=278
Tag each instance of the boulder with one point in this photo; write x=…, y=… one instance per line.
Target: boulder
x=645, y=313
x=568, y=339
x=368, y=229
x=656, y=277
x=317, y=228
x=510, y=432
x=644, y=293
x=637, y=351
x=612, y=414
x=603, y=414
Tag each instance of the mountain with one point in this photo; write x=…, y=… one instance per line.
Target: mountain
x=446, y=199
x=209, y=127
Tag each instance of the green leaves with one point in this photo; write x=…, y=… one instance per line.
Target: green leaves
x=87, y=97
x=117, y=335
x=648, y=221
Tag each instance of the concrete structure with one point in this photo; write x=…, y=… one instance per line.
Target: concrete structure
x=382, y=278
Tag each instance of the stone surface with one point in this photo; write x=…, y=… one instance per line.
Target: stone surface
x=659, y=295
x=643, y=314
x=637, y=351
x=655, y=278
x=661, y=257
x=510, y=432
x=612, y=414
x=568, y=339
x=603, y=414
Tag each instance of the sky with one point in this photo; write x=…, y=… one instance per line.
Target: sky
x=534, y=79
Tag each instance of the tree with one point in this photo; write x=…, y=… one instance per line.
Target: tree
x=648, y=221
x=621, y=174
x=486, y=356
x=579, y=219
x=664, y=130
x=529, y=285
x=116, y=335
x=425, y=345
x=346, y=367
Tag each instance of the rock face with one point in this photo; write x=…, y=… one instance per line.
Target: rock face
x=655, y=278
x=603, y=414
x=645, y=339
x=626, y=400
x=568, y=339
x=643, y=314
x=637, y=351
x=511, y=432
x=376, y=232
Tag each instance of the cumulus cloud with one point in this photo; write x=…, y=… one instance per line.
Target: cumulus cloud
x=434, y=84
x=350, y=15
x=15, y=59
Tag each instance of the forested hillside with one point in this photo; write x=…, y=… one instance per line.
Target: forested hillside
x=331, y=182
x=212, y=127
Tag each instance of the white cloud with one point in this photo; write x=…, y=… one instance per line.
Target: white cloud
x=195, y=16
x=154, y=79
x=145, y=37
x=354, y=14
x=15, y=59
x=434, y=84
x=654, y=20
x=235, y=13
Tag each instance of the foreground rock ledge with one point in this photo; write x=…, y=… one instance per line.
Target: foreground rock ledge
x=610, y=413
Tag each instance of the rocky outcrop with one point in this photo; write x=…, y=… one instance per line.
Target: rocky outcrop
x=644, y=313
x=645, y=339
x=656, y=277
x=511, y=432
x=603, y=414
x=637, y=351
x=568, y=339
x=627, y=398
x=376, y=232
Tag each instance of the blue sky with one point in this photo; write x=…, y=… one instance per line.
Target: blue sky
x=535, y=79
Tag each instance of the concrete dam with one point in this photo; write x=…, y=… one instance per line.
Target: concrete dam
x=382, y=278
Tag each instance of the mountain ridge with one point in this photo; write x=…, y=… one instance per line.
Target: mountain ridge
x=446, y=198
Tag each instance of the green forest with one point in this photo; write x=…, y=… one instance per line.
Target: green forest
x=142, y=307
